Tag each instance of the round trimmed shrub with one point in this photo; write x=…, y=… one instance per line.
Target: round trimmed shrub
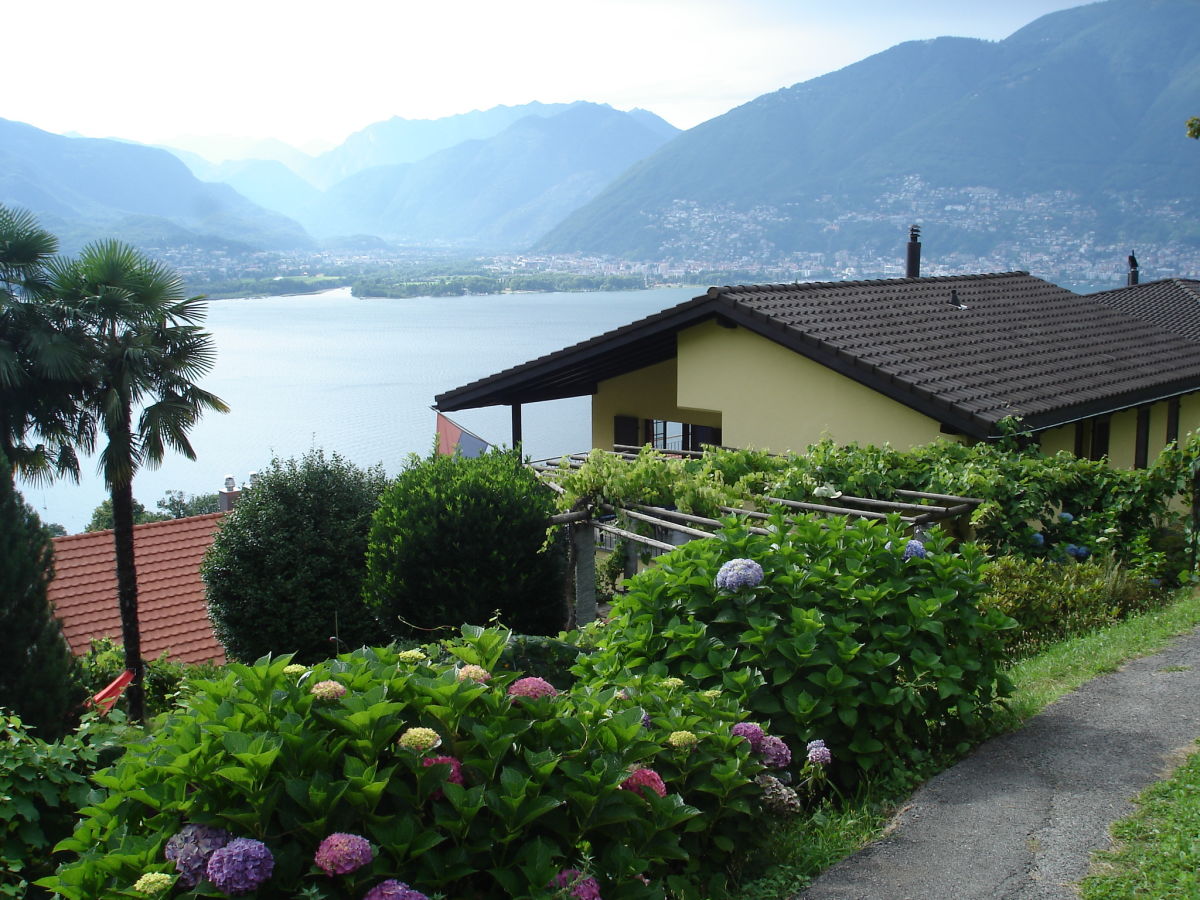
x=284, y=574
x=458, y=540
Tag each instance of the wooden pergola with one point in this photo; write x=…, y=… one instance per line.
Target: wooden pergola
x=917, y=509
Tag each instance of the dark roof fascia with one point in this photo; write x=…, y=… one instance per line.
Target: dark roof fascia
x=488, y=391
x=1107, y=406
x=869, y=376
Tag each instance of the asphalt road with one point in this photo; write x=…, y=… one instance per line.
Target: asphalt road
x=1020, y=816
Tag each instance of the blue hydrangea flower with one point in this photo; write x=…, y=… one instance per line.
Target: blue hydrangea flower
x=1070, y=550
x=190, y=849
x=1066, y=518
x=240, y=867
x=915, y=548
x=1038, y=539
x=739, y=573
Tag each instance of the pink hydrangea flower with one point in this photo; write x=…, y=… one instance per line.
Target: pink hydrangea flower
x=474, y=673
x=455, y=776
x=341, y=853
x=532, y=687
x=582, y=888
x=644, y=778
x=328, y=690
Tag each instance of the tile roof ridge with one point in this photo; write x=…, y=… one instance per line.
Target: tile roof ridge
x=171, y=523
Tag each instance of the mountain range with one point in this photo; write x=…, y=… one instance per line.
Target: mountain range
x=1072, y=124
x=1071, y=128
x=84, y=188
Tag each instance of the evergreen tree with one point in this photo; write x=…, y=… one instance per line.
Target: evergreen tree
x=36, y=665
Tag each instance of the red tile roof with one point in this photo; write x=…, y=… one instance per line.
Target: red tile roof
x=171, y=605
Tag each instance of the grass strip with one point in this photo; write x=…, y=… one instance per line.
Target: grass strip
x=806, y=846
x=1158, y=854
x=1063, y=667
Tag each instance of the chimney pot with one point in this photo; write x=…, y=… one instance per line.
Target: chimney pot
x=1133, y=270
x=912, y=267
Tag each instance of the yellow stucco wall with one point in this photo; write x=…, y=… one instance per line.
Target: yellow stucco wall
x=773, y=398
x=1053, y=440
x=728, y=378
x=1189, y=415
x=648, y=393
x=1122, y=439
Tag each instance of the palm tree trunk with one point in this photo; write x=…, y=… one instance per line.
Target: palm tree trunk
x=127, y=597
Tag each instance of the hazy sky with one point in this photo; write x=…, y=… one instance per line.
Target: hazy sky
x=302, y=71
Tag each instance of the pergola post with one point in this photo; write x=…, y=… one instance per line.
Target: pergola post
x=583, y=542
x=516, y=426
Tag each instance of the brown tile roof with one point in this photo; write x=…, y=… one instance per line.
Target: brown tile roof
x=967, y=350
x=1172, y=304
x=171, y=605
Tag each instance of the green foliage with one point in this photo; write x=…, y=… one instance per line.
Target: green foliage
x=36, y=665
x=259, y=754
x=43, y=784
x=1053, y=600
x=102, y=516
x=284, y=574
x=393, y=285
x=1156, y=853
x=1193, y=127
x=884, y=658
x=459, y=540
x=165, y=679
x=1024, y=492
x=178, y=505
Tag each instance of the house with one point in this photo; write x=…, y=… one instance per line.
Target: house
x=903, y=360
x=171, y=605
x=1172, y=304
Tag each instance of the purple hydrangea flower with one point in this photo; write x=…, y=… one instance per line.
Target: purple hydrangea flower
x=818, y=753
x=646, y=720
x=581, y=888
x=739, y=573
x=393, y=890
x=341, y=853
x=240, y=867
x=775, y=752
x=751, y=732
x=190, y=849
x=914, y=548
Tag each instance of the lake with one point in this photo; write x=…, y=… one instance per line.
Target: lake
x=358, y=376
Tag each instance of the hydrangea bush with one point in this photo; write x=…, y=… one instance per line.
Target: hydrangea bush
x=880, y=652
x=414, y=782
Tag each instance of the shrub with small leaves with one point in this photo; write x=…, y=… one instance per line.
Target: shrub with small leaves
x=457, y=539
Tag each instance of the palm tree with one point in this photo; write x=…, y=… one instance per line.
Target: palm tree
x=41, y=359
x=145, y=350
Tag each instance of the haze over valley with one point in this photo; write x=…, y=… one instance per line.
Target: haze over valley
x=1058, y=149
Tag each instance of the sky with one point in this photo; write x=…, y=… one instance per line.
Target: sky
x=311, y=73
